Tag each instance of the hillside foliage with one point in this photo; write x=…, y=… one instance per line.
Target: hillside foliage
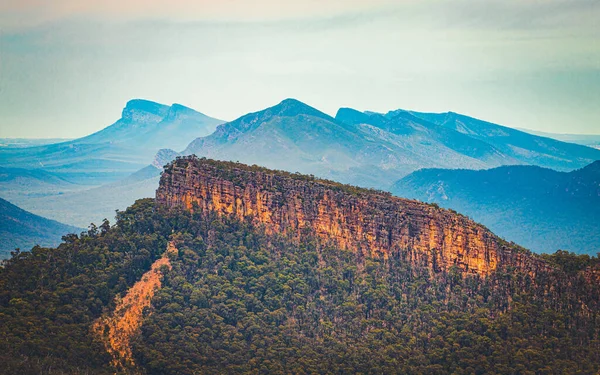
x=239, y=301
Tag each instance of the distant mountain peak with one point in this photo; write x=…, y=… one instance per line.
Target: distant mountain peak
x=286, y=108
x=135, y=107
x=293, y=107
x=164, y=156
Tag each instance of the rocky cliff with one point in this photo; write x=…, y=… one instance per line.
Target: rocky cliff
x=370, y=222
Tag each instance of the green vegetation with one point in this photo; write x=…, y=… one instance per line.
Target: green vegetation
x=541, y=209
x=239, y=301
x=571, y=263
x=226, y=169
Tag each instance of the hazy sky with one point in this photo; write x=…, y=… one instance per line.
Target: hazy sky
x=67, y=68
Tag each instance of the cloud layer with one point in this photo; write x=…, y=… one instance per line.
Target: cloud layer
x=66, y=69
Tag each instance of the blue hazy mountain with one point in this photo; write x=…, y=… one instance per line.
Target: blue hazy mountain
x=429, y=137
x=527, y=148
x=86, y=179
x=111, y=168
x=357, y=148
x=538, y=208
x=83, y=207
x=22, y=229
x=119, y=149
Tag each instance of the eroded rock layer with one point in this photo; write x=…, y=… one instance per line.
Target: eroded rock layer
x=117, y=329
x=371, y=222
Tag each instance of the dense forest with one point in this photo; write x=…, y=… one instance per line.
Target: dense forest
x=239, y=301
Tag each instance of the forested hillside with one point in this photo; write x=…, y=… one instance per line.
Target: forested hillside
x=237, y=300
x=539, y=208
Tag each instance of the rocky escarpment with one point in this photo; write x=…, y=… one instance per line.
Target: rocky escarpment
x=370, y=222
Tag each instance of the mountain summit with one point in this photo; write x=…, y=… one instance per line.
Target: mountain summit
x=136, y=107
x=121, y=148
x=148, y=126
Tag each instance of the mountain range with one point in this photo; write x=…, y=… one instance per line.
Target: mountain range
x=23, y=230
x=85, y=180
x=373, y=150
x=539, y=208
x=117, y=150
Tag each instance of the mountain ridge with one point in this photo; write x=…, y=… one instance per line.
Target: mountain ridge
x=22, y=229
x=366, y=148
x=540, y=208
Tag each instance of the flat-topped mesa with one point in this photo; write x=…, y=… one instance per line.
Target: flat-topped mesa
x=360, y=220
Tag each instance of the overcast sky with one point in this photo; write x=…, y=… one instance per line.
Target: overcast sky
x=67, y=68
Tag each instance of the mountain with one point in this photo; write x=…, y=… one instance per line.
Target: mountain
x=296, y=137
x=23, y=230
x=240, y=269
x=86, y=179
x=525, y=147
x=590, y=140
x=373, y=150
x=430, y=140
x=149, y=126
x=368, y=222
x=539, y=208
x=118, y=150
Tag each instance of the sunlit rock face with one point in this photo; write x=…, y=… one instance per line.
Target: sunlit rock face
x=369, y=222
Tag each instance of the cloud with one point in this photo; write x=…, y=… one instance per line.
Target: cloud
x=497, y=14
x=71, y=65
x=25, y=13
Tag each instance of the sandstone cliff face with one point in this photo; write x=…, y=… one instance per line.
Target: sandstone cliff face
x=373, y=223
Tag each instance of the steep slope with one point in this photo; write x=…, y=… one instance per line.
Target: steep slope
x=237, y=296
x=350, y=218
x=527, y=148
x=23, y=230
x=123, y=324
x=539, y=208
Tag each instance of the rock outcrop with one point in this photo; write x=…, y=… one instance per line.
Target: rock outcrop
x=370, y=222
x=118, y=328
